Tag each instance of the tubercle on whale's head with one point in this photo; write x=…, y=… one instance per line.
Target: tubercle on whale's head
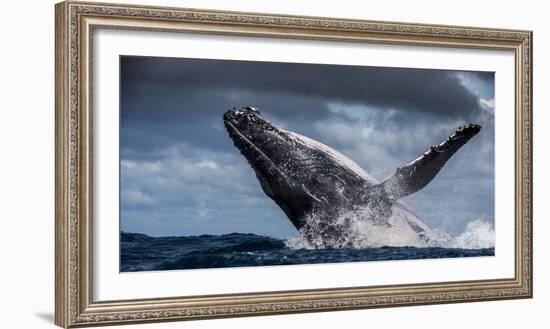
x=245, y=119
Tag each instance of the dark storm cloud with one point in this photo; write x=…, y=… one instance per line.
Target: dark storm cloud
x=434, y=92
x=484, y=76
x=155, y=116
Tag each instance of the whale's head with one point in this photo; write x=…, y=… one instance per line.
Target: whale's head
x=293, y=172
x=264, y=146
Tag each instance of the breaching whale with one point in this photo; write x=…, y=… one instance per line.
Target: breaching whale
x=326, y=195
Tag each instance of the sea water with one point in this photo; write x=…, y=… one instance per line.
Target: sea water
x=140, y=252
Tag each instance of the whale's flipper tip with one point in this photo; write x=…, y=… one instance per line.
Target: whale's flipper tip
x=415, y=175
x=468, y=130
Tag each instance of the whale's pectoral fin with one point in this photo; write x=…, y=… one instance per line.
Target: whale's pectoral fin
x=416, y=174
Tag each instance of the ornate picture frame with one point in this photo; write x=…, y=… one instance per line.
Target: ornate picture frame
x=76, y=22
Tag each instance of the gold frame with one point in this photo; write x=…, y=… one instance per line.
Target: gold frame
x=75, y=23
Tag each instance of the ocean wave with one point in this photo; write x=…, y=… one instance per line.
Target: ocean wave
x=140, y=252
x=400, y=236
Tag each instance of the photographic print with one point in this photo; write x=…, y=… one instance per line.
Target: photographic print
x=227, y=163
x=348, y=163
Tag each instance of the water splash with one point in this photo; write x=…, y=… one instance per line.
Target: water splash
x=478, y=234
x=297, y=242
x=361, y=233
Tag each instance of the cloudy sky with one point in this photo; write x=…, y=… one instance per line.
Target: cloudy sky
x=181, y=174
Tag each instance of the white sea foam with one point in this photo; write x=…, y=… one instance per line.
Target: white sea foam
x=362, y=234
x=298, y=242
x=358, y=228
x=478, y=234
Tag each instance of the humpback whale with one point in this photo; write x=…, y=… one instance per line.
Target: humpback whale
x=326, y=195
